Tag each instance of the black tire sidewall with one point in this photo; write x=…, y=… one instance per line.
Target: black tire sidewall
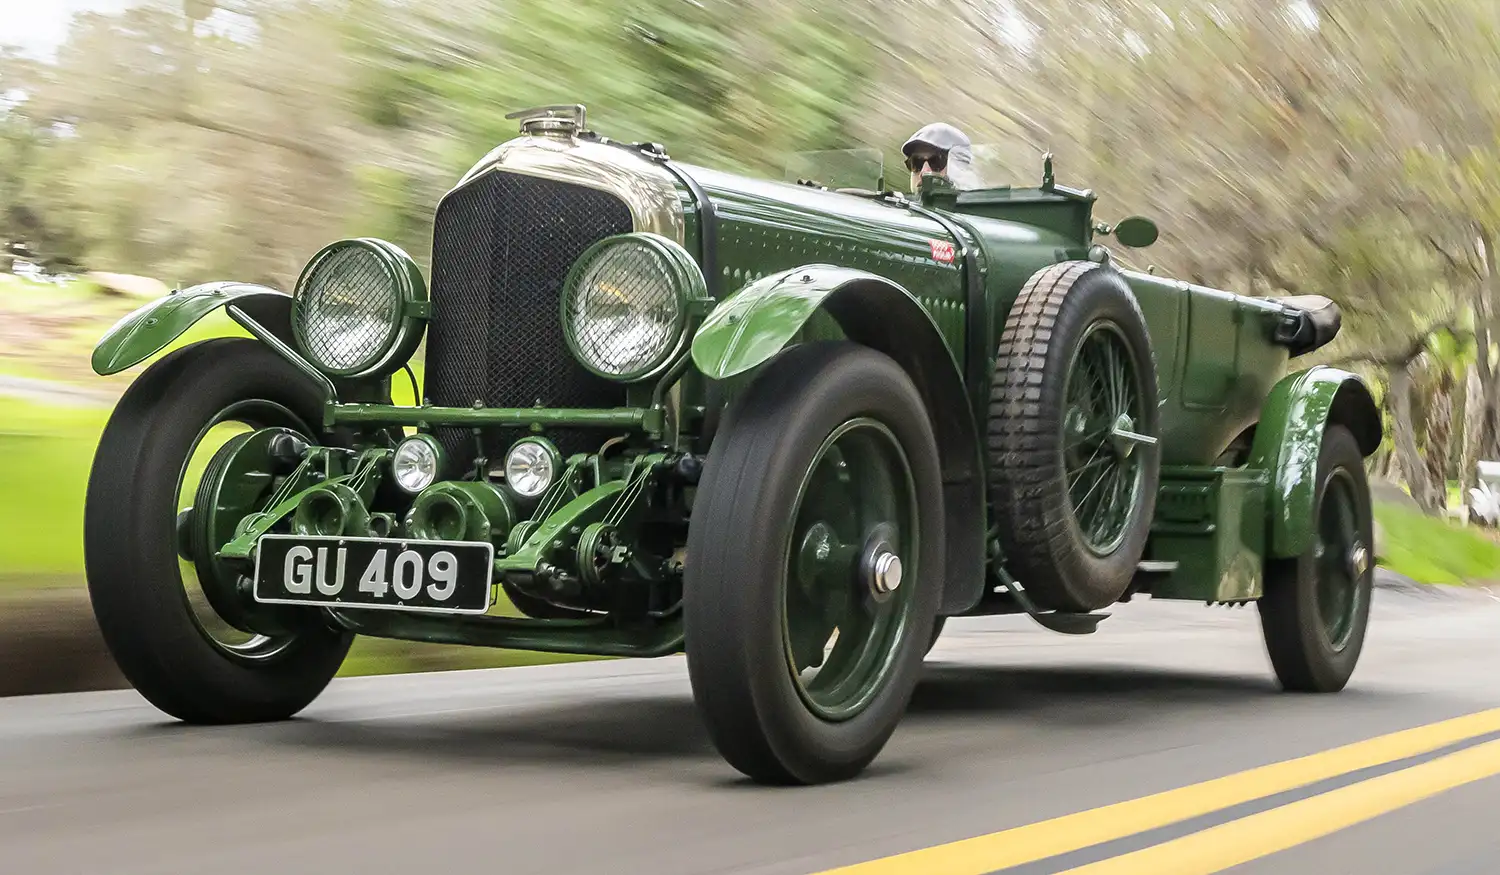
x=130, y=542
x=937, y=632
x=740, y=530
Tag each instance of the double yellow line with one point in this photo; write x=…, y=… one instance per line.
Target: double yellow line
x=1238, y=841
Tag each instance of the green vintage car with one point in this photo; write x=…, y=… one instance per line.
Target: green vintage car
x=782, y=427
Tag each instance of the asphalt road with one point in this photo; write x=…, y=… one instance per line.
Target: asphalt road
x=603, y=767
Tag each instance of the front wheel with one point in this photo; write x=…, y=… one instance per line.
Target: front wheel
x=1316, y=606
x=172, y=616
x=814, y=565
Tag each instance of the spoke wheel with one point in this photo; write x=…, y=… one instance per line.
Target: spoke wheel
x=1316, y=606
x=173, y=616
x=814, y=564
x=1104, y=472
x=1073, y=426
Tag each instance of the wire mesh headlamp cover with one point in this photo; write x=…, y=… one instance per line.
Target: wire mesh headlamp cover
x=625, y=305
x=353, y=306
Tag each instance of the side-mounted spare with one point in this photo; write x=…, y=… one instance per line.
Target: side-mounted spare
x=1073, y=425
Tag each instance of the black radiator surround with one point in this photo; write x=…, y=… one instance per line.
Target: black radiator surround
x=502, y=246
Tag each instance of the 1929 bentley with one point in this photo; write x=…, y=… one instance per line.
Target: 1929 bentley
x=783, y=427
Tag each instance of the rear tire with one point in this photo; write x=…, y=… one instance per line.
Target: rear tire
x=1316, y=606
x=130, y=540
x=829, y=445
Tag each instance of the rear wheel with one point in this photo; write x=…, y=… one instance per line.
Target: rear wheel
x=169, y=611
x=1316, y=606
x=814, y=565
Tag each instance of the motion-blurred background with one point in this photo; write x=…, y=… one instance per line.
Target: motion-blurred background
x=1349, y=148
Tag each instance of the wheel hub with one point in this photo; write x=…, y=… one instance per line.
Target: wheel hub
x=887, y=573
x=185, y=523
x=849, y=585
x=1359, y=560
x=879, y=569
x=1123, y=437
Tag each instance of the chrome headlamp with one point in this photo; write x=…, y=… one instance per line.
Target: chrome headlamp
x=531, y=465
x=417, y=462
x=626, y=302
x=359, y=308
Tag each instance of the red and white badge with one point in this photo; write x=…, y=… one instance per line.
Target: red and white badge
x=942, y=250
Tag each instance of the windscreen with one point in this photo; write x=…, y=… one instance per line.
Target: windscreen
x=991, y=165
x=839, y=168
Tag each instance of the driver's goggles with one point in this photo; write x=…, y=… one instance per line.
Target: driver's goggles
x=936, y=162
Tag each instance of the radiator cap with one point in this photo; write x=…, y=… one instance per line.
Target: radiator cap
x=559, y=118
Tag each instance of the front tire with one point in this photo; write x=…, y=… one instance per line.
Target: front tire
x=1316, y=606
x=937, y=632
x=826, y=463
x=162, y=645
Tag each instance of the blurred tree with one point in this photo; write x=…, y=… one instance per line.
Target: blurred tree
x=1341, y=147
x=1446, y=357
x=34, y=218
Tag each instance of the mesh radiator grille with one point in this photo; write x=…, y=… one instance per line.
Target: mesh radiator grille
x=502, y=246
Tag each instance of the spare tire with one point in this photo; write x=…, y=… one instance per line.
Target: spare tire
x=1073, y=418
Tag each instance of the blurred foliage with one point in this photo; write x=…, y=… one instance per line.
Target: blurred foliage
x=1349, y=148
x=1432, y=550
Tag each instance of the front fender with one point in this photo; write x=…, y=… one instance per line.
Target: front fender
x=148, y=329
x=1289, y=438
x=757, y=322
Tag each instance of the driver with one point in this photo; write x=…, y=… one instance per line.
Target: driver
x=941, y=149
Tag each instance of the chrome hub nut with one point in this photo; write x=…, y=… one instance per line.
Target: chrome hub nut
x=886, y=577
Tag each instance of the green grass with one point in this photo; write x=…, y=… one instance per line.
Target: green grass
x=47, y=452
x=1432, y=550
x=23, y=293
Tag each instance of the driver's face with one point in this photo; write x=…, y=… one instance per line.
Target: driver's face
x=926, y=161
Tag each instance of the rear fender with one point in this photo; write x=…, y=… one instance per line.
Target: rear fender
x=1289, y=439
x=757, y=322
x=147, y=330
